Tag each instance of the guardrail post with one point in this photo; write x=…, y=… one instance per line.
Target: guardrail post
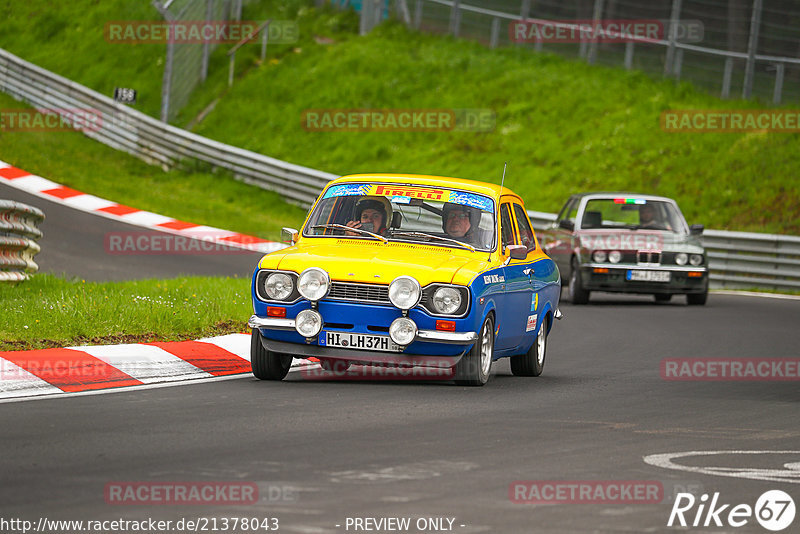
x=596, y=16
x=629, y=55
x=752, y=45
x=776, y=94
x=726, y=78
x=525, y=10
x=206, y=44
x=264, y=41
x=418, y=15
x=677, y=64
x=455, y=18
x=674, y=17
x=495, y=33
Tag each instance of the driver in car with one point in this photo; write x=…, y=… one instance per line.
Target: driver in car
x=371, y=215
x=649, y=219
x=459, y=222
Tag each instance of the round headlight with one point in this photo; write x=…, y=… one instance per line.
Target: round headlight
x=278, y=286
x=313, y=284
x=681, y=258
x=696, y=259
x=403, y=330
x=615, y=256
x=447, y=300
x=599, y=256
x=308, y=323
x=404, y=292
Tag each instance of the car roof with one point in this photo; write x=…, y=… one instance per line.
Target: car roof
x=488, y=189
x=616, y=194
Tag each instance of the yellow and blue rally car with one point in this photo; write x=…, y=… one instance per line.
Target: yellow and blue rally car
x=407, y=270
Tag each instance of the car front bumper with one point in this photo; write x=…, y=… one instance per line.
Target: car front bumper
x=613, y=278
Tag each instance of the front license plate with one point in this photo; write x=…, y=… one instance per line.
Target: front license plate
x=358, y=341
x=648, y=276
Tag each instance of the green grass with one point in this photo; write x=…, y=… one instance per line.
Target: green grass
x=48, y=311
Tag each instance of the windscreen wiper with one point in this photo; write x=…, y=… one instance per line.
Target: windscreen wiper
x=431, y=236
x=350, y=229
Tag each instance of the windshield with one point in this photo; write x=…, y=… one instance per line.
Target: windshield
x=632, y=213
x=410, y=213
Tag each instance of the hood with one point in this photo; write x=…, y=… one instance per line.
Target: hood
x=374, y=262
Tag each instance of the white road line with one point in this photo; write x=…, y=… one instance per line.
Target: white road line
x=789, y=474
x=755, y=294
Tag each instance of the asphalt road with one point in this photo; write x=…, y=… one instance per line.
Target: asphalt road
x=74, y=244
x=325, y=451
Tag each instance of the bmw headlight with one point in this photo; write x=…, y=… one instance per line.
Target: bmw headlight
x=446, y=300
x=615, y=256
x=278, y=286
x=696, y=259
x=403, y=330
x=599, y=256
x=681, y=258
x=405, y=292
x=313, y=284
x=308, y=323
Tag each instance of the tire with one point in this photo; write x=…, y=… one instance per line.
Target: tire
x=474, y=368
x=697, y=299
x=663, y=297
x=577, y=295
x=267, y=365
x=532, y=362
x=335, y=366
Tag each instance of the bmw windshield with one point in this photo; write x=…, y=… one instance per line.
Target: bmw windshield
x=409, y=213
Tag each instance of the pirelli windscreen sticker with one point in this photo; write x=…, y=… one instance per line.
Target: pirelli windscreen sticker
x=402, y=194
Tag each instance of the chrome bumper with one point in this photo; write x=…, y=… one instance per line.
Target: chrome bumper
x=274, y=323
x=435, y=336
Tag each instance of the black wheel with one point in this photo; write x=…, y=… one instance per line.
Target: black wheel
x=267, y=365
x=336, y=366
x=697, y=299
x=577, y=295
x=663, y=297
x=532, y=362
x=474, y=367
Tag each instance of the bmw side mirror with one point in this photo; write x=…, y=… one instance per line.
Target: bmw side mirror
x=696, y=229
x=518, y=252
x=566, y=224
x=289, y=235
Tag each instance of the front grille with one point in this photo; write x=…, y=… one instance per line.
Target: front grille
x=648, y=257
x=359, y=292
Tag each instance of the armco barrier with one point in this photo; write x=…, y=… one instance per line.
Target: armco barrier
x=18, y=235
x=737, y=260
x=156, y=142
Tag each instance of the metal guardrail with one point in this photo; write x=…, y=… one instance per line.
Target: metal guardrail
x=737, y=260
x=134, y=132
x=18, y=235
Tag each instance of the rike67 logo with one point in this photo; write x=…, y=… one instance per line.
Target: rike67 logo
x=774, y=510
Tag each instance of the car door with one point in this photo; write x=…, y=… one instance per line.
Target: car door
x=518, y=292
x=559, y=243
x=528, y=304
x=505, y=312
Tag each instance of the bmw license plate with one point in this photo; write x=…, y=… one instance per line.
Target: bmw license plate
x=358, y=341
x=647, y=276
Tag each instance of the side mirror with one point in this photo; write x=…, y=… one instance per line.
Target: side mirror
x=696, y=229
x=566, y=224
x=289, y=235
x=518, y=252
